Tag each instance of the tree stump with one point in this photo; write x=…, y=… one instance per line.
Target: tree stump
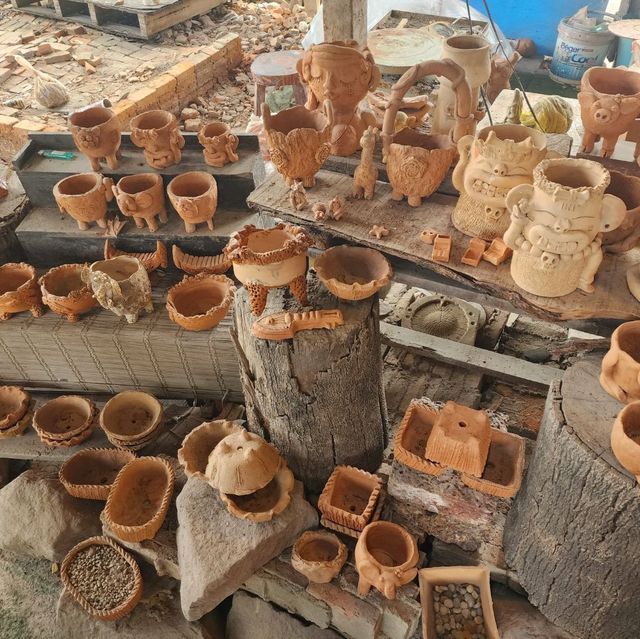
x=318, y=397
x=572, y=534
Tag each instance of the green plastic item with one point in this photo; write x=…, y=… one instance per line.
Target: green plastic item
x=56, y=155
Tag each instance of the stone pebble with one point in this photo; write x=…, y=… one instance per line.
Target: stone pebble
x=458, y=612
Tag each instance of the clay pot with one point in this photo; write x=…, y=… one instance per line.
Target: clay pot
x=555, y=226
x=620, y=375
x=298, y=142
x=158, y=134
x=353, y=272
x=633, y=280
x=194, y=196
x=64, y=291
x=151, y=261
x=96, y=133
x=199, y=303
x=139, y=499
x=626, y=236
x=19, y=290
x=219, y=144
x=194, y=264
x=84, y=197
x=121, y=285
x=14, y=403
x=386, y=557
x=271, y=258
x=625, y=438
x=142, y=197
x=64, y=419
x=319, y=556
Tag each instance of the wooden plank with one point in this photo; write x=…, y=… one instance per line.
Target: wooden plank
x=152, y=23
x=345, y=20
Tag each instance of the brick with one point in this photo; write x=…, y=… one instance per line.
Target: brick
x=53, y=58
x=8, y=111
x=44, y=48
x=5, y=75
x=7, y=121
x=27, y=37
x=143, y=96
x=28, y=126
x=183, y=72
x=77, y=30
x=163, y=84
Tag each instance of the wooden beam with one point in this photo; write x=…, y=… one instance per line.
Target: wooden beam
x=345, y=20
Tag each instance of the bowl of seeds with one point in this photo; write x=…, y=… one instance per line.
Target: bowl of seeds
x=103, y=578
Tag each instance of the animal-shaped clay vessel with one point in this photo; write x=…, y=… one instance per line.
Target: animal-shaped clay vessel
x=620, y=375
x=96, y=133
x=84, y=197
x=366, y=173
x=142, y=198
x=219, y=144
x=285, y=325
x=64, y=291
x=158, y=134
x=19, y=290
x=194, y=196
x=501, y=71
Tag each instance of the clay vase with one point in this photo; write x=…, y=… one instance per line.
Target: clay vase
x=609, y=103
x=626, y=236
x=142, y=198
x=219, y=144
x=158, y=134
x=490, y=165
x=386, y=558
x=19, y=290
x=556, y=225
x=194, y=196
x=84, y=197
x=121, y=285
x=14, y=403
x=65, y=292
x=620, y=375
x=96, y=133
x=625, y=438
x=271, y=258
x=342, y=72
x=319, y=556
x=298, y=142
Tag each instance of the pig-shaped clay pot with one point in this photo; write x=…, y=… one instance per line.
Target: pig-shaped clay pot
x=96, y=133
x=142, y=197
x=84, y=197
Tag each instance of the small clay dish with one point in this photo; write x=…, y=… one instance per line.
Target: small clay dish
x=64, y=292
x=353, y=272
x=131, y=417
x=319, y=556
x=64, y=419
x=14, y=403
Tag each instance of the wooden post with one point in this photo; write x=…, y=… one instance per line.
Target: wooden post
x=317, y=397
x=345, y=20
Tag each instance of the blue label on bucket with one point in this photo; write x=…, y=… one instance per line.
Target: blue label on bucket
x=571, y=60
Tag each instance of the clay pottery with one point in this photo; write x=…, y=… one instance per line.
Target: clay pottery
x=342, y=72
x=271, y=258
x=142, y=198
x=194, y=196
x=194, y=264
x=158, y=134
x=139, y=499
x=609, y=103
x=84, y=197
x=285, y=325
x=121, y=285
x=90, y=472
x=625, y=438
x=490, y=165
x=64, y=419
x=96, y=133
x=14, y=403
x=131, y=418
x=353, y=272
x=64, y=291
x=633, y=280
x=417, y=163
x=366, y=173
x=620, y=375
x=19, y=290
x=219, y=144
x=497, y=253
x=386, y=558
x=626, y=236
x=200, y=302
x=151, y=261
x=556, y=224
x=298, y=142
x=319, y=556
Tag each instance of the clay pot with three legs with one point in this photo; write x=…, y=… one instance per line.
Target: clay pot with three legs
x=96, y=133
x=194, y=196
x=84, y=197
x=142, y=198
x=158, y=134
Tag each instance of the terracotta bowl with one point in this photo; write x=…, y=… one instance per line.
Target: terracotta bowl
x=19, y=290
x=64, y=418
x=200, y=302
x=353, y=272
x=131, y=417
x=625, y=438
x=319, y=556
x=14, y=403
x=64, y=291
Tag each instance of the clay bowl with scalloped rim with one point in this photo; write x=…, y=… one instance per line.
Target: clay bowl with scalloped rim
x=318, y=555
x=14, y=403
x=65, y=293
x=64, y=419
x=131, y=418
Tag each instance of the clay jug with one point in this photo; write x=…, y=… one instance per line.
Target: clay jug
x=626, y=236
x=219, y=144
x=620, y=375
x=157, y=133
x=625, y=438
x=96, y=133
x=142, y=198
x=84, y=197
x=194, y=196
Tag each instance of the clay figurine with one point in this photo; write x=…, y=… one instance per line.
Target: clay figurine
x=285, y=325
x=194, y=196
x=625, y=438
x=473, y=255
x=620, y=375
x=64, y=291
x=219, y=144
x=96, y=133
x=497, y=253
x=366, y=173
x=158, y=134
x=336, y=208
x=378, y=231
x=441, y=251
x=142, y=198
x=19, y=290
x=298, y=196
x=84, y=197
x=151, y=261
x=319, y=211
x=501, y=71
x=626, y=236
x=319, y=556
x=194, y=264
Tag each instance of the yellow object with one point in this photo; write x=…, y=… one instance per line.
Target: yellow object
x=554, y=115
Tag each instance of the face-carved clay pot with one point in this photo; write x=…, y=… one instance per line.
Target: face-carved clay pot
x=158, y=134
x=199, y=303
x=139, y=499
x=353, y=272
x=556, y=224
x=319, y=556
x=625, y=438
x=298, y=142
x=609, y=103
x=121, y=285
x=19, y=290
x=142, y=198
x=219, y=144
x=490, y=165
x=14, y=403
x=65, y=292
x=65, y=421
x=84, y=197
x=620, y=375
x=96, y=133
x=194, y=196
x=626, y=236
x=272, y=258
x=386, y=558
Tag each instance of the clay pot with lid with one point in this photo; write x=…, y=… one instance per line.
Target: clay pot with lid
x=84, y=197
x=19, y=290
x=96, y=133
x=620, y=375
x=14, y=403
x=318, y=555
x=142, y=198
x=626, y=236
x=219, y=144
x=157, y=133
x=625, y=438
x=65, y=292
x=64, y=421
x=194, y=196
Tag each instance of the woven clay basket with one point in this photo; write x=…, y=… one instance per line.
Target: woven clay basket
x=14, y=402
x=64, y=419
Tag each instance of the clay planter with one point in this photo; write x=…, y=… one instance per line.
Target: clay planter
x=142, y=198
x=556, y=224
x=64, y=291
x=194, y=196
x=319, y=556
x=620, y=375
x=151, y=261
x=131, y=418
x=96, y=133
x=14, y=403
x=272, y=258
x=386, y=557
x=19, y=290
x=625, y=438
x=298, y=142
x=84, y=197
x=633, y=280
x=626, y=236
x=199, y=303
x=157, y=133
x=353, y=272
x=90, y=472
x=64, y=418
x=194, y=264
x=219, y=144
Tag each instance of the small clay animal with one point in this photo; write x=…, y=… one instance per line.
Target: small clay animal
x=366, y=174
x=336, y=207
x=298, y=196
x=378, y=231
x=319, y=210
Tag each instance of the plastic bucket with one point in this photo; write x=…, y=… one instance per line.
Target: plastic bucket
x=578, y=49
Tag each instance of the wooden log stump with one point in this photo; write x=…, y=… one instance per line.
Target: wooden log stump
x=572, y=534
x=317, y=397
